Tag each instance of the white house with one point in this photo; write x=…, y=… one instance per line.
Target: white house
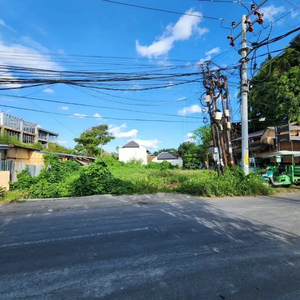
x=132, y=150
x=170, y=157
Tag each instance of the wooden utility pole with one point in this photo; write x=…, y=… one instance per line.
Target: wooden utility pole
x=214, y=130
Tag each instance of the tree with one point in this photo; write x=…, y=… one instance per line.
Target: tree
x=190, y=154
x=55, y=148
x=202, y=136
x=89, y=141
x=275, y=90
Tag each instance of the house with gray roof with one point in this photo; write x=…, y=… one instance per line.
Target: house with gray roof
x=133, y=151
x=172, y=157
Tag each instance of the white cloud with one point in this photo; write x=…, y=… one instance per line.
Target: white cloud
x=185, y=27
x=79, y=115
x=236, y=93
x=215, y=50
x=2, y=23
x=149, y=144
x=62, y=142
x=271, y=11
x=170, y=85
x=65, y=108
x=189, y=137
x=96, y=115
x=294, y=13
x=116, y=131
x=208, y=55
x=181, y=99
x=6, y=99
x=61, y=52
x=193, y=109
x=34, y=44
x=48, y=91
x=42, y=31
x=22, y=56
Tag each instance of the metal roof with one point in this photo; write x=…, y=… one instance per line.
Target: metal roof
x=4, y=147
x=283, y=153
x=68, y=155
x=166, y=156
x=132, y=144
x=252, y=135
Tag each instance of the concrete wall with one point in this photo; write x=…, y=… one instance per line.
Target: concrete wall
x=127, y=154
x=27, y=156
x=4, y=179
x=174, y=162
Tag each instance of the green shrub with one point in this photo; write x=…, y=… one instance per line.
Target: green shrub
x=93, y=180
x=232, y=183
x=111, y=161
x=153, y=166
x=2, y=192
x=134, y=163
x=55, y=171
x=24, y=181
x=165, y=165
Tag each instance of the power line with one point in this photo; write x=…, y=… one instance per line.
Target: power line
x=95, y=106
x=166, y=11
x=225, y=1
x=298, y=7
x=82, y=116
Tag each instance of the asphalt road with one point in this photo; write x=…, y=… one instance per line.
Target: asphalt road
x=240, y=248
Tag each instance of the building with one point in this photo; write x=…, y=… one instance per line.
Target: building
x=14, y=159
x=263, y=142
x=173, y=158
x=133, y=151
x=25, y=131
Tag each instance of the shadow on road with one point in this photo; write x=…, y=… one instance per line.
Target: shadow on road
x=191, y=249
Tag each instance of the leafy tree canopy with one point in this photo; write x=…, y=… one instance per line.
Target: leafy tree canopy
x=55, y=148
x=89, y=141
x=202, y=136
x=275, y=92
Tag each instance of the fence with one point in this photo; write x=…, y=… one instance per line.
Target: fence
x=16, y=167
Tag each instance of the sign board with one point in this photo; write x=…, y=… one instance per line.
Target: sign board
x=283, y=127
x=281, y=138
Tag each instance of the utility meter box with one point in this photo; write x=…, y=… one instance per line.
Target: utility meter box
x=207, y=98
x=218, y=115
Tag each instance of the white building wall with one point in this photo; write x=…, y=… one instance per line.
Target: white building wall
x=127, y=154
x=173, y=162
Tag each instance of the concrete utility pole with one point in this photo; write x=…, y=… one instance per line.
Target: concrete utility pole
x=244, y=92
x=244, y=75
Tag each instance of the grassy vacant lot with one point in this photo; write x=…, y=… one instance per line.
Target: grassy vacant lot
x=108, y=176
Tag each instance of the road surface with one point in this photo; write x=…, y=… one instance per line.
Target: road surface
x=181, y=248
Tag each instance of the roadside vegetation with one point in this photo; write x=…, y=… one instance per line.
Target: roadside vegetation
x=109, y=176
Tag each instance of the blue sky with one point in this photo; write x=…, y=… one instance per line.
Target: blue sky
x=47, y=34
